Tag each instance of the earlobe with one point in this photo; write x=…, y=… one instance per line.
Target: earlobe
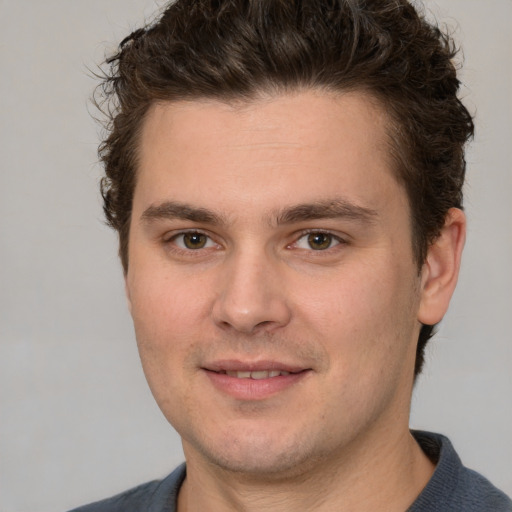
x=441, y=268
x=127, y=294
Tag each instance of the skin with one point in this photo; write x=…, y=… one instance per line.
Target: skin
x=299, y=255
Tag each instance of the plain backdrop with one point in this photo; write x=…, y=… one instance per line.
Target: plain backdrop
x=78, y=422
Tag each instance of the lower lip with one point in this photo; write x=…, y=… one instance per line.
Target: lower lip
x=253, y=389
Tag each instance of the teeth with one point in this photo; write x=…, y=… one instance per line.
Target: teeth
x=240, y=375
x=258, y=375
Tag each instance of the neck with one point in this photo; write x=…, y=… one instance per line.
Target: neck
x=389, y=476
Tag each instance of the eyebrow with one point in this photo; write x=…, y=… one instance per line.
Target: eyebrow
x=176, y=210
x=327, y=209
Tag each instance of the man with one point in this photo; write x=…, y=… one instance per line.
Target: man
x=285, y=178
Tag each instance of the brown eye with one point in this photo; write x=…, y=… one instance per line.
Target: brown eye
x=194, y=240
x=319, y=241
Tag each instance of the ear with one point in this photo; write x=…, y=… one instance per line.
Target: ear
x=441, y=268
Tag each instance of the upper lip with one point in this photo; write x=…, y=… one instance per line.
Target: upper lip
x=252, y=366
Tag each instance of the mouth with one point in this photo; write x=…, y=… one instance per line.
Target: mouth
x=253, y=369
x=253, y=381
x=256, y=375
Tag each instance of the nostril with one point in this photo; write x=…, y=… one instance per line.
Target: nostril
x=263, y=324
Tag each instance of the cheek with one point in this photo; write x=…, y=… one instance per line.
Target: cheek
x=365, y=315
x=167, y=315
x=165, y=303
x=368, y=328
x=165, y=323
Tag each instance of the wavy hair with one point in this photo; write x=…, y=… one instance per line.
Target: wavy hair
x=238, y=49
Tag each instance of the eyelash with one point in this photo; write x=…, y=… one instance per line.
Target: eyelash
x=210, y=242
x=171, y=241
x=334, y=239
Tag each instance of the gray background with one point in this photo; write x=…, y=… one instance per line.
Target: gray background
x=77, y=420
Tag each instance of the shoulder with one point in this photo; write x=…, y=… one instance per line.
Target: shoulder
x=131, y=500
x=478, y=491
x=154, y=496
x=453, y=486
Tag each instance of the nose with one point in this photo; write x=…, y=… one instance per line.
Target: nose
x=251, y=297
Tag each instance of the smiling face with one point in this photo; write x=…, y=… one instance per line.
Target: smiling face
x=272, y=281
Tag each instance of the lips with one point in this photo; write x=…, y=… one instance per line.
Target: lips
x=253, y=380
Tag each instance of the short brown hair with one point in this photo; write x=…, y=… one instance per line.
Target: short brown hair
x=236, y=49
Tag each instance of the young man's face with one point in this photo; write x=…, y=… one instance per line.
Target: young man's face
x=272, y=281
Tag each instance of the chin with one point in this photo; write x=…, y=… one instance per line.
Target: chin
x=263, y=466
x=258, y=455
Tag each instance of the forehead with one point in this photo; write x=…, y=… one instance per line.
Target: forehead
x=307, y=144
x=314, y=116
